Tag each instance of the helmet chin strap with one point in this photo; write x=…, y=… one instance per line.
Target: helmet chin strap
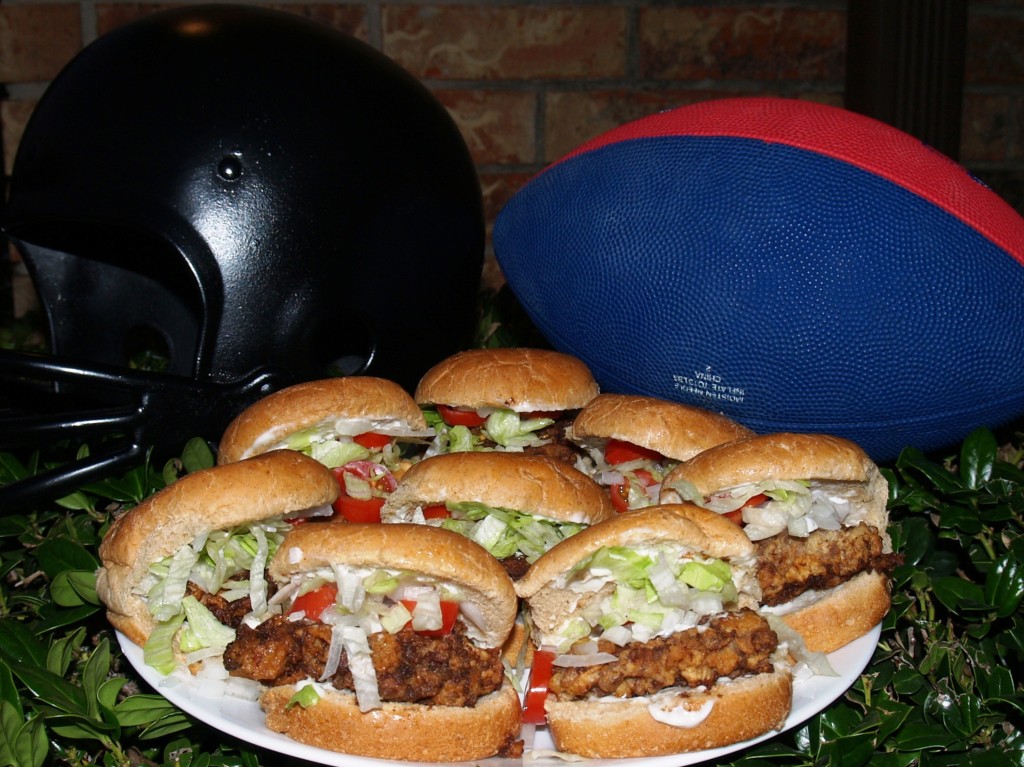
x=137, y=412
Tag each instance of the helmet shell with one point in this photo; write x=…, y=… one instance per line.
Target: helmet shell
x=250, y=190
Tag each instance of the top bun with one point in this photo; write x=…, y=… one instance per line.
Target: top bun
x=673, y=429
x=519, y=379
x=702, y=530
x=219, y=498
x=784, y=455
x=265, y=424
x=531, y=483
x=439, y=554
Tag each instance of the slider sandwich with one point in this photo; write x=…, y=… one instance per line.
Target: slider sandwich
x=515, y=506
x=507, y=399
x=182, y=570
x=815, y=507
x=389, y=645
x=629, y=442
x=366, y=430
x=646, y=640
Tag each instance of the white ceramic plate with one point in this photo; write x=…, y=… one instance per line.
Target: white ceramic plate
x=243, y=719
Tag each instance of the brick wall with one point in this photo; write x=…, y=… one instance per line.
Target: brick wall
x=527, y=81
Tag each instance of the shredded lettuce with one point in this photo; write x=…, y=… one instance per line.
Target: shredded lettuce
x=306, y=696
x=508, y=429
x=655, y=592
x=202, y=628
x=506, y=532
x=158, y=651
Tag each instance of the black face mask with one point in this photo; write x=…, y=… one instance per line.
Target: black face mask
x=257, y=198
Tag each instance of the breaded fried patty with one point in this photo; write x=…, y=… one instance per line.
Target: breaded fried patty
x=729, y=646
x=411, y=668
x=789, y=565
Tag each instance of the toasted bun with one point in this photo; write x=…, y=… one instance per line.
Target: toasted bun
x=430, y=551
x=836, y=617
x=700, y=529
x=776, y=456
x=673, y=429
x=219, y=498
x=534, y=484
x=406, y=731
x=519, y=379
x=267, y=422
x=609, y=729
x=816, y=457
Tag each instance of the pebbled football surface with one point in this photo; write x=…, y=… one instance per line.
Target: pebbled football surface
x=794, y=266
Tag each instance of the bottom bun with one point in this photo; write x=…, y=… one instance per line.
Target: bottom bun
x=613, y=728
x=842, y=614
x=406, y=731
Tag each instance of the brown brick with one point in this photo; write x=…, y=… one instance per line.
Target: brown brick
x=37, y=40
x=350, y=19
x=13, y=118
x=995, y=53
x=469, y=42
x=742, y=43
x=499, y=126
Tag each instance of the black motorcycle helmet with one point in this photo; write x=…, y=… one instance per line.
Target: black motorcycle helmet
x=264, y=198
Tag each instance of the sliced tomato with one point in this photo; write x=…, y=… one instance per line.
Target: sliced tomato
x=438, y=511
x=537, y=692
x=457, y=416
x=371, y=440
x=380, y=481
x=314, y=602
x=449, y=614
x=618, y=451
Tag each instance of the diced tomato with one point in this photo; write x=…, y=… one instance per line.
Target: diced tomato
x=537, y=692
x=456, y=416
x=381, y=482
x=371, y=440
x=620, y=496
x=314, y=602
x=438, y=511
x=449, y=614
x=620, y=490
x=358, y=510
x=617, y=451
x=737, y=514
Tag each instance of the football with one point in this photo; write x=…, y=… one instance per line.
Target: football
x=795, y=266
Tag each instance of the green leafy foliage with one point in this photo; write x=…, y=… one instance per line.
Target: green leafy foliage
x=943, y=687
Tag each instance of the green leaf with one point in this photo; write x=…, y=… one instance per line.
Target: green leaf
x=54, y=617
x=62, y=651
x=1004, y=586
x=22, y=743
x=977, y=457
x=57, y=555
x=52, y=689
x=142, y=710
x=109, y=690
x=959, y=594
x=920, y=737
x=95, y=673
x=196, y=455
x=72, y=588
x=19, y=645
